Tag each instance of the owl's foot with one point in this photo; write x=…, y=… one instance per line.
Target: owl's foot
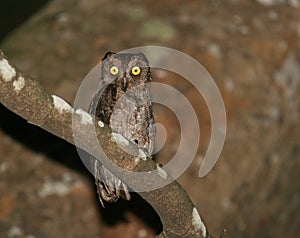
x=109, y=187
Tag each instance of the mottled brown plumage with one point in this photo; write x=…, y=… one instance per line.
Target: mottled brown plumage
x=123, y=102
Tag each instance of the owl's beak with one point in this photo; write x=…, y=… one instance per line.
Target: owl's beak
x=124, y=84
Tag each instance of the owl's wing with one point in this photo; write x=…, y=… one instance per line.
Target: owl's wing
x=95, y=100
x=109, y=187
x=151, y=134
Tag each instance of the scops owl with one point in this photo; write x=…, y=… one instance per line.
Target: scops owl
x=123, y=102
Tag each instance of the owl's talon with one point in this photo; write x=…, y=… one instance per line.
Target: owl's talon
x=127, y=194
x=117, y=186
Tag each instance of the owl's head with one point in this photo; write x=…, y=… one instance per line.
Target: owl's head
x=126, y=70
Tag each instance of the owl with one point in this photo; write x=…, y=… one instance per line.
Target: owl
x=123, y=102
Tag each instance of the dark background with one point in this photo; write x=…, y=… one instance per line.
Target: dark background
x=251, y=50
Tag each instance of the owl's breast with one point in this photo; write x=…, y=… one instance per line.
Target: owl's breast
x=132, y=118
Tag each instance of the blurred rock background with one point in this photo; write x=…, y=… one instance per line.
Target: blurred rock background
x=252, y=50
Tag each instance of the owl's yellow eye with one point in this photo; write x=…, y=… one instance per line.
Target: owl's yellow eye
x=136, y=70
x=114, y=70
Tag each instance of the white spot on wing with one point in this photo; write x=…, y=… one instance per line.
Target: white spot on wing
x=6, y=71
x=100, y=123
x=61, y=105
x=86, y=118
x=19, y=83
x=197, y=222
x=161, y=172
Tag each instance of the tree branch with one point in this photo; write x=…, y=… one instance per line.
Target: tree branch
x=28, y=99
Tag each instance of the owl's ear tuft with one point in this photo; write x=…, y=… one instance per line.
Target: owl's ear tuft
x=107, y=55
x=142, y=57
